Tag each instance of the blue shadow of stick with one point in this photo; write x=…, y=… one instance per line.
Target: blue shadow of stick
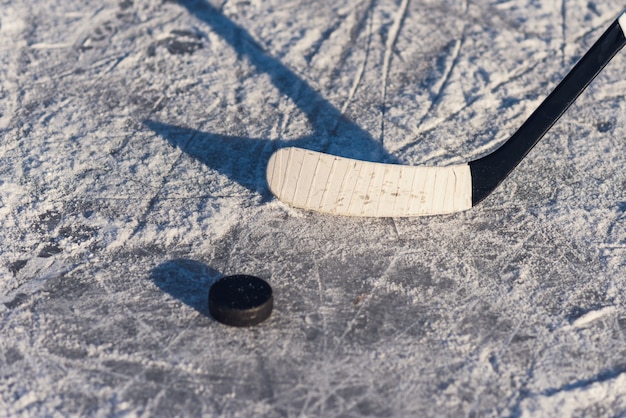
x=244, y=159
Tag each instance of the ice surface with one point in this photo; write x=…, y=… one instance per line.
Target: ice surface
x=133, y=142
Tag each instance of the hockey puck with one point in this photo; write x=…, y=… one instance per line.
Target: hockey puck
x=240, y=300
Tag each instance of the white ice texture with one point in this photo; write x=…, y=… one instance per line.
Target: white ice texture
x=134, y=137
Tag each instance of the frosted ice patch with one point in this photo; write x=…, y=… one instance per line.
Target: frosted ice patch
x=12, y=25
x=343, y=186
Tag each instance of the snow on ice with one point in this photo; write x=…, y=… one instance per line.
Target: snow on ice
x=133, y=142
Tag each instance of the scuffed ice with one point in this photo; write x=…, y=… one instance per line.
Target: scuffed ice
x=133, y=142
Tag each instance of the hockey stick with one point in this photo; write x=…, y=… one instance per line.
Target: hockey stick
x=343, y=186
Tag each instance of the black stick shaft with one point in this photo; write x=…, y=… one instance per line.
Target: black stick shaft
x=489, y=171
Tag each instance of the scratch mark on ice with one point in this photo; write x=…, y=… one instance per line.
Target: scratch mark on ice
x=46, y=45
x=445, y=79
x=592, y=316
x=391, y=41
x=563, y=31
x=359, y=75
x=141, y=222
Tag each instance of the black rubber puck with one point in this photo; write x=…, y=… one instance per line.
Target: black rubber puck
x=240, y=300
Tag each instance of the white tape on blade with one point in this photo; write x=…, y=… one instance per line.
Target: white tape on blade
x=343, y=186
x=622, y=22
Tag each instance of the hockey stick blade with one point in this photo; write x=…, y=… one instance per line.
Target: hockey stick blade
x=342, y=186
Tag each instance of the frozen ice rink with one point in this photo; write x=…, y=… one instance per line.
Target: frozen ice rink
x=134, y=137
